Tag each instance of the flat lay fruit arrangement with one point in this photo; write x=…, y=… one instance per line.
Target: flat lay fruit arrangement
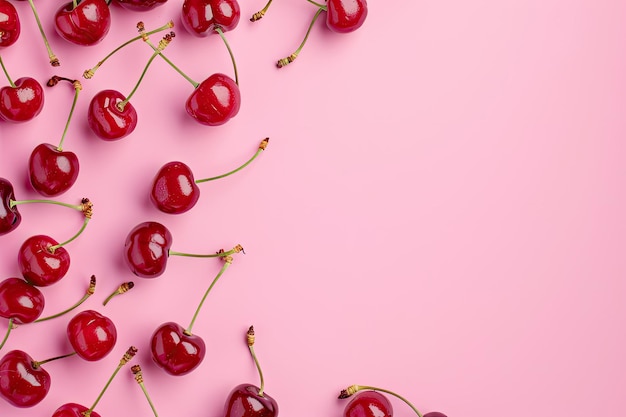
x=336, y=207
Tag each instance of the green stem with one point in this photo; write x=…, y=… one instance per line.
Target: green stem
x=230, y=52
x=53, y=59
x=57, y=246
x=37, y=364
x=258, y=367
x=365, y=387
x=236, y=249
x=6, y=336
x=11, y=83
x=285, y=61
x=178, y=70
x=74, y=4
x=123, y=103
x=127, y=357
x=124, y=287
x=261, y=148
x=227, y=263
x=136, y=370
x=258, y=15
x=321, y=6
x=78, y=207
x=77, y=88
x=90, y=290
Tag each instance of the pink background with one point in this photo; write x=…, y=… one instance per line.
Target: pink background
x=439, y=211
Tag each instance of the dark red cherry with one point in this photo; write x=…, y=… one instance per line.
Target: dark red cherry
x=244, y=401
x=147, y=249
x=140, y=5
x=201, y=17
x=10, y=27
x=368, y=404
x=215, y=101
x=345, y=15
x=86, y=24
x=51, y=171
x=73, y=410
x=22, y=382
x=22, y=102
x=174, y=189
x=435, y=414
x=39, y=263
x=10, y=218
x=20, y=301
x=177, y=352
x=107, y=120
x=92, y=335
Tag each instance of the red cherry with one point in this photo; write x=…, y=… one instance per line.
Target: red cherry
x=39, y=264
x=10, y=218
x=215, y=101
x=21, y=102
x=140, y=5
x=345, y=15
x=86, y=24
x=174, y=189
x=23, y=383
x=10, y=27
x=435, y=414
x=244, y=401
x=147, y=249
x=107, y=120
x=73, y=410
x=92, y=335
x=20, y=301
x=175, y=350
x=51, y=171
x=368, y=404
x=202, y=17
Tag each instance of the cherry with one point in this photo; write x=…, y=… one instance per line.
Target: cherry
x=202, y=17
x=368, y=402
x=20, y=301
x=345, y=16
x=140, y=5
x=10, y=27
x=21, y=100
x=83, y=23
x=92, y=335
x=214, y=101
x=176, y=349
x=174, y=189
x=10, y=217
x=147, y=249
x=247, y=400
x=23, y=382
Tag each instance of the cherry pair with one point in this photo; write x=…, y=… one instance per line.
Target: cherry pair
x=369, y=402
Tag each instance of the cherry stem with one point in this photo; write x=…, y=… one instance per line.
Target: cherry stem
x=251, y=339
x=136, y=370
x=37, y=364
x=90, y=72
x=219, y=254
x=90, y=290
x=58, y=245
x=178, y=70
x=288, y=60
x=130, y=353
x=54, y=61
x=230, y=52
x=321, y=6
x=124, y=287
x=11, y=83
x=74, y=4
x=355, y=388
x=6, y=336
x=228, y=260
x=258, y=15
x=77, y=87
x=78, y=207
x=123, y=103
x=260, y=149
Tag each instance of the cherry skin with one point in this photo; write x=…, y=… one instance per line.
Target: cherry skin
x=10, y=218
x=86, y=24
x=147, y=249
x=244, y=401
x=52, y=172
x=368, y=404
x=215, y=101
x=435, y=414
x=175, y=351
x=22, y=382
x=202, y=17
x=10, y=27
x=73, y=410
x=92, y=335
x=105, y=118
x=346, y=15
x=22, y=102
x=38, y=264
x=140, y=5
x=174, y=190
x=20, y=301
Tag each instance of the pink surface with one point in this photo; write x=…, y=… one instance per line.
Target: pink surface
x=439, y=211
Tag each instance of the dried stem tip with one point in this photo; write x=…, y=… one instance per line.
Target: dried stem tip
x=92, y=285
x=263, y=144
x=250, y=336
x=351, y=390
x=136, y=370
x=87, y=207
x=130, y=353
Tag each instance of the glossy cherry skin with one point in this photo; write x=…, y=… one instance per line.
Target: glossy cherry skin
x=174, y=190
x=52, y=172
x=73, y=410
x=22, y=102
x=105, y=118
x=10, y=218
x=244, y=401
x=10, y=27
x=38, y=264
x=92, y=335
x=21, y=383
x=140, y=5
x=345, y=15
x=147, y=249
x=215, y=101
x=174, y=351
x=368, y=404
x=201, y=17
x=20, y=301
x=86, y=24
x=435, y=414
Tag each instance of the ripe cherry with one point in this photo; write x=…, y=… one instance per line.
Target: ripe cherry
x=345, y=16
x=21, y=100
x=203, y=17
x=20, y=301
x=92, y=335
x=214, y=101
x=10, y=27
x=140, y=5
x=174, y=189
x=83, y=23
x=23, y=382
x=369, y=402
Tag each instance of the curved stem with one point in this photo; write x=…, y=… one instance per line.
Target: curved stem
x=219, y=254
x=124, y=287
x=11, y=83
x=130, y=353
x=178, y=70
x=54, y=61
x=90, y=290
x=321, y=6
x=260, y=149
x=57, y=246
x=77, y=87
x=251, y=339
x=123, y=103
x=37, y=364
x=355, y=388
x=6, y=335
x=258, y=15
x=230, y=52
x=288, y=60
x=78, y=207
x=227, y=261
